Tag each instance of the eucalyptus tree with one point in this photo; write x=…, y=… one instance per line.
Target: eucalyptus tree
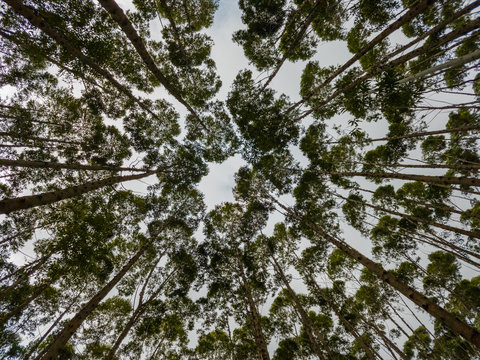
x=234, y=275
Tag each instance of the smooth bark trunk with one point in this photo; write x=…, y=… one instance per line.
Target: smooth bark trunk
x=42, y=24
x=307, y=323
x=408, y=16
x=122, y=20
x=295, y=42
x=55, y=165
x=71, y=326
x=444, y=180
x=458, y=326
x=27, y=202
x=257, y=327
x=380, y=67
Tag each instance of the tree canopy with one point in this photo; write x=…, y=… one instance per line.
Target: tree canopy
x=353, y=232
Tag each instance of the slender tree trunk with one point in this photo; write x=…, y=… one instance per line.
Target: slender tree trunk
x=474, y=55
x=387, y=341
x=458, y=326
x=262, y=349
x=380, y=67
x=40, y=139
x=71, y=326
x=27, y=202
x=119, y=16
x=350, y=328
x=416, y=219
x=295, y=42
x=7, y=291
x=444, y=180
x=418, y=134
x=42, y=24
x=55, y=165
x=309, y=327
x=45, y=335
x=39, y=291
x=417, y=9
x=142, y=307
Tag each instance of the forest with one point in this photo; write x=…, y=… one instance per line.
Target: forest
x=349, y=228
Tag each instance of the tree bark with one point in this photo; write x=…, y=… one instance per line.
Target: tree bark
x=344, y=321
x=71, y=326
x=417, y=219
x=409, y=15
x=444, y=180
x=458, y=326
x=257, y=327
x=55, y=165
x=40, y=139
x=27, y=202
x=42, y=24
x=5, y=317
x=296, y=40
x=474, y=55
x=380, y=67
x=309, y=327
x=419, y=134
x=119, y=16
x=141, y=308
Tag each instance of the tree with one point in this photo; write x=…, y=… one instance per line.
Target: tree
x=370, y=175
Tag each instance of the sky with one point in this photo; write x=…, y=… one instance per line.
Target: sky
x=217, y=185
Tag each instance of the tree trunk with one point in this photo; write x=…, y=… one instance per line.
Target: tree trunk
x=417, y=9
x=309, y=327
x=71, y=326
x=7, y=291
x=296, y=40
x=55, y=165
x=342, y=319
x=5, y=317
x=45, y=335
x=444, y=180
x=42, y=24
x=458, y=326
x=141, y=308
x=474, y=55
x=257, y=327
x=119, y=16
x=40, y=139
x=417, y=219
x=27, y=202
x=379, y=67
x=419, y=134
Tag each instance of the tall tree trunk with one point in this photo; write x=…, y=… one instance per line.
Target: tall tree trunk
x=27, y=202
x=40, y=23
x=379, y=67
x=7, y=291
x=444, y=180
x=418, y=134
x=295, y=41
x=474, y=55
x=141, y=308
x=45, y=335
x=350, y=328
x=39, y=291
x=309, y=327
x=417, y=9
x=418, y=219
x=36, y=138
x=119, y=16
x=458, y=326
x=55, y=165
x=71, y=326
x=257, y=326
